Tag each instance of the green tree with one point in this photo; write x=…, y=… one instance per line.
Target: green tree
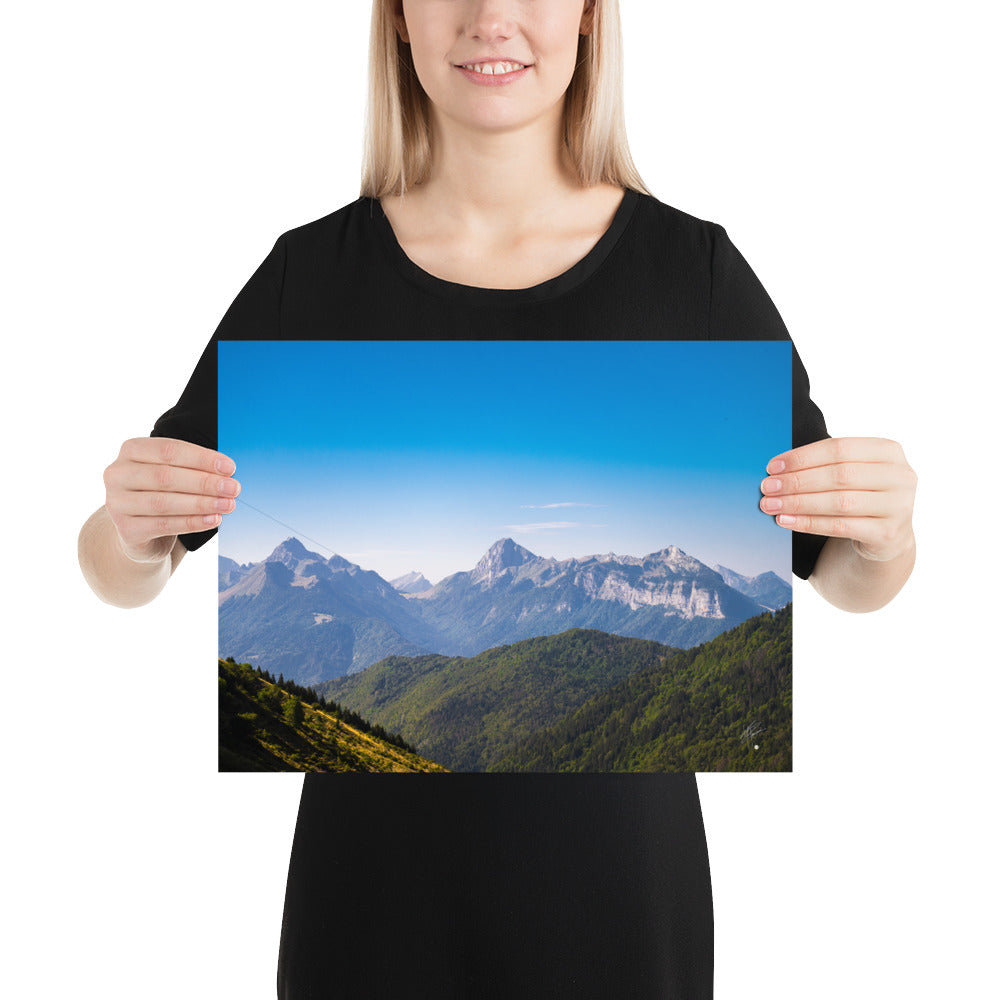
x=294, y=712
x=270, y=697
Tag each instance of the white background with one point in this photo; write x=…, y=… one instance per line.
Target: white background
x=155, y=152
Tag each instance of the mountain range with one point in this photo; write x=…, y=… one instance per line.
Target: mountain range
x=316, y=618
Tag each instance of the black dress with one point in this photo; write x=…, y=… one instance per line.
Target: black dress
x=499, y=885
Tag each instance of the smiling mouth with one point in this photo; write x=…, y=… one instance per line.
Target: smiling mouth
x=494, y=68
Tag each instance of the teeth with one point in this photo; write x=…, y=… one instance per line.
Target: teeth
x=495, y=69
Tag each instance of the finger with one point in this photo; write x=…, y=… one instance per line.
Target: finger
x=174, y=452
x=833, y=451
x=137, y=531
x=843, y=503
x=140, y=477
x=828, y=478
x=866, y=530
x=880, y=538
x=160, y=504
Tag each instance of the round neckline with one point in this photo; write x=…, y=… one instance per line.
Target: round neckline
x=569, y=279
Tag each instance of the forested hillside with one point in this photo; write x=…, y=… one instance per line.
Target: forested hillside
x=723, y=706
x=469, y=712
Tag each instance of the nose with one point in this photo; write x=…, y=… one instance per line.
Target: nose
x=490, y=19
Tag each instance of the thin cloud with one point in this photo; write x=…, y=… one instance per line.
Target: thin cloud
x=552, y=506
x=548, y=526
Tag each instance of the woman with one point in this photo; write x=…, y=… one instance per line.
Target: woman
x=498, y=205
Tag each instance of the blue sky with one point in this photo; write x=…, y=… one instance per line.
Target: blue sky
x=418, y=455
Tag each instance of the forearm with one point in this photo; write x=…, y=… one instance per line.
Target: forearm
x=111, y=574
x=852, y=583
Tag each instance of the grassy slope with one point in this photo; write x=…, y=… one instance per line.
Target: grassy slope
x=254, y=734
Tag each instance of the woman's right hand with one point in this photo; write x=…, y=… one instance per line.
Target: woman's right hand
x=159, y=488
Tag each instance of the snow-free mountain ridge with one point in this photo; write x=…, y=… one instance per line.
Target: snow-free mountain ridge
x=411, y=583
x=314, y=618
x=767, y=589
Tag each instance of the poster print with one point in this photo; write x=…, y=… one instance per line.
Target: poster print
x=504, y=556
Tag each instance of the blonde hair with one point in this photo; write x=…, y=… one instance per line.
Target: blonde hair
x=397, y=140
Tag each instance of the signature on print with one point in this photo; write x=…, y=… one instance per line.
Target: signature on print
x=750, y=732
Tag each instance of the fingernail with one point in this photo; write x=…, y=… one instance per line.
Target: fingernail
x=770, y=485
x=775, y=466
x=786, y=519
x=210, y=519
x=225, y=466
x=228, y=487
x=771, y=504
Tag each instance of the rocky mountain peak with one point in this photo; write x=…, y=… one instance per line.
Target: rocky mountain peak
x=503, y=554
x=304, y=563
x=291, y=551
x=671, y=554
x=411, y=583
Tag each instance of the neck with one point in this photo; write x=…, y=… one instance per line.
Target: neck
x=497, y=181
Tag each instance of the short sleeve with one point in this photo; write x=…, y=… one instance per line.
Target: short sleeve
x=255, y=314
x=741, y=309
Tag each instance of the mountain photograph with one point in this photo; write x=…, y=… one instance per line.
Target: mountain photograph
x=555, y=561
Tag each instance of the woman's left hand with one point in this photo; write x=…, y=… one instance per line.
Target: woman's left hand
x=852, y=487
